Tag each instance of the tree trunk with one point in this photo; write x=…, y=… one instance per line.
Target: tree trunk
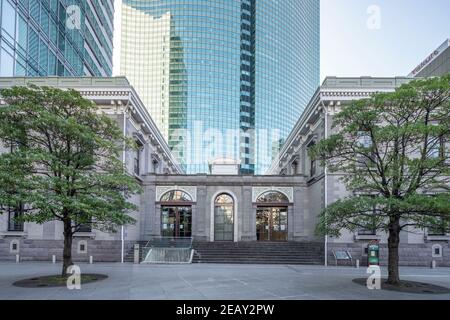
x=393, y=243
x=67, y=253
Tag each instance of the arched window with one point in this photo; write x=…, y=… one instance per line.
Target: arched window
x=223, y=218
x=176, y=196
x=224, y=199
x=272, y=197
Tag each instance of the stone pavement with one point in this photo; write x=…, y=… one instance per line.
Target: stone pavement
x=211, y=281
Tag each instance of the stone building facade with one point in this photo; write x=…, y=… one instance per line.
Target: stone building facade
x=222, y=207
x=417, y=247
x=117, y=98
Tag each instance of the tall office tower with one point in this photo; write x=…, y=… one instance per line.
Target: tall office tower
x=436, y=64
x=56, y=37
x=222, y=78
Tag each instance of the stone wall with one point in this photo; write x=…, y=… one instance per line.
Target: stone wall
x=417, y=255
x=43, y=250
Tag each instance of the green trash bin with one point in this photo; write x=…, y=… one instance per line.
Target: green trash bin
x=373, y=254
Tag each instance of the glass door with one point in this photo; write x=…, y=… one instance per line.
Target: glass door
x=271, y=224
x=176, y=222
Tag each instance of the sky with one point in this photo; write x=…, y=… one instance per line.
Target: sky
x=380, y=37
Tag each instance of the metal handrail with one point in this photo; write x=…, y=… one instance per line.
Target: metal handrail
x=169, y=242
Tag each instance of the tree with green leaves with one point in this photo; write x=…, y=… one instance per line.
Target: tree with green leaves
x=392, y=151
x=63, y=162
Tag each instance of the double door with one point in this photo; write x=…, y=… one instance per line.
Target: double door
x=272, y=224
x=176, y=221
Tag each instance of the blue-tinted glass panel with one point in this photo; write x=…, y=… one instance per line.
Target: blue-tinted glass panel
x=8, y=19
x=42, y=21
x=6, y=64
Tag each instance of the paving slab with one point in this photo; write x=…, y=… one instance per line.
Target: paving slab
x=214, y=281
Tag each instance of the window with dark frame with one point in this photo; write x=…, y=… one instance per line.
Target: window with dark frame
x=312, y=162
x=137, y=158
x=83, y=227
x=14, y=214
x=437, y=151
x=365, y=141
x=368, y=231
x=438, y=230
x=294, y=166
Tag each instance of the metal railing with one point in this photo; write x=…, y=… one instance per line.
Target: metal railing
x=168, y=250
x=169, y=242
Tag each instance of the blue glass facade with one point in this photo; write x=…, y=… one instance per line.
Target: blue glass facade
x=56, y=37
x=240, y=72
x=287, y=70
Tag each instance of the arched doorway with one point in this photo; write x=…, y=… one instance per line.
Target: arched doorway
x=176, y=214
x=272, y=217
x=223, y=218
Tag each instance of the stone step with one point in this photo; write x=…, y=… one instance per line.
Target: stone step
x=307, y=253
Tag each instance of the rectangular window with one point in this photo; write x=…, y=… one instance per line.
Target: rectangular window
x=34, y=10
x=364, y=139
x=14, y=215
x=44, y=20
x=51, y=64
x=43, y=58
x=22, y=35
x=6, y=64
x=137, y=160
x=369, y=231
x=437, y=148
x=438, y=230
x=53, y=31
x=85, y=228
x=33, y=46
x=312, y=163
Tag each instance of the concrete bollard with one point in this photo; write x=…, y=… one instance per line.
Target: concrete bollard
x=433, y=264
x=91, y=259
x=53, y=259
x=17, y=258
x=136, y=253
x=357, y=263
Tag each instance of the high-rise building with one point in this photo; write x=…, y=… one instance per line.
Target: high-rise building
x=56, y=37
x=436, y=64
x=222, y=78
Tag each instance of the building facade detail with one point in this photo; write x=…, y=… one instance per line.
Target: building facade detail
x=162, y=190
x=258, y=191
x=223, y=67
x=281, y=206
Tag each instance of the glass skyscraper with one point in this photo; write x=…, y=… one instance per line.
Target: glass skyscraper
x=56, y=37
x=222, y=78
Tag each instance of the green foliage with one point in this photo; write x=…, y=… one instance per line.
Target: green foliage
x=63, y=159
x=393, y=153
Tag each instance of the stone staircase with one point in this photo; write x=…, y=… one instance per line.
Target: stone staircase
x=300, y=253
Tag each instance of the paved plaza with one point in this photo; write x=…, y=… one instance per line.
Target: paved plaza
x=211, y=281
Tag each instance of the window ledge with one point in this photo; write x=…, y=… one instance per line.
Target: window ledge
x=84, y=235
x=366, y=237
x=437, y=238
x=13, y=234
